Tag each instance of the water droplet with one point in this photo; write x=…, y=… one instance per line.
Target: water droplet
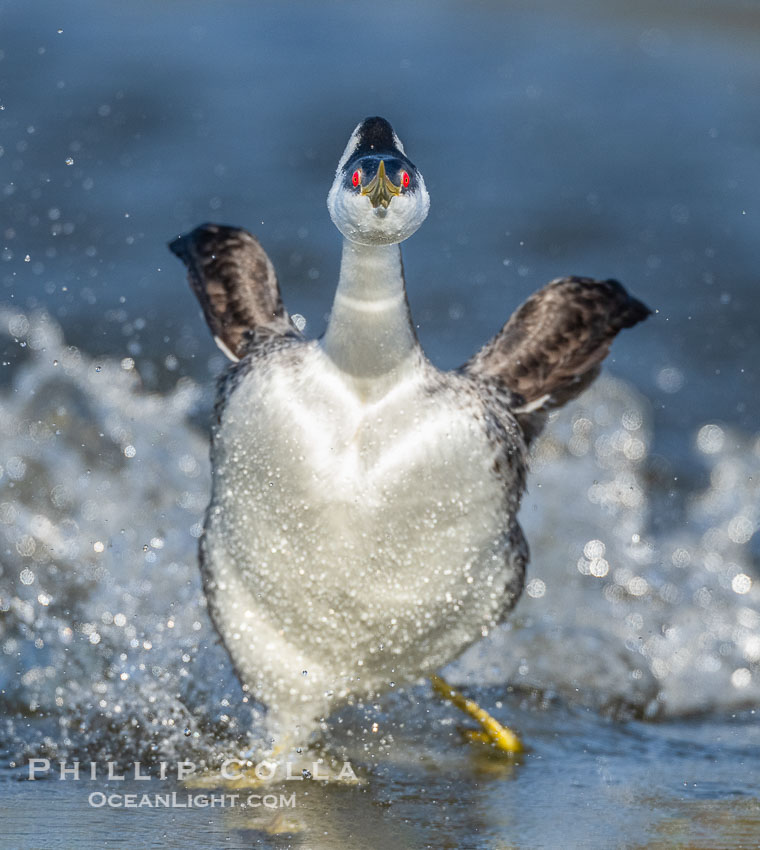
x=741, y=583
x=741, y=678
x=594, y=549
x=535, y=588
x=710, y=439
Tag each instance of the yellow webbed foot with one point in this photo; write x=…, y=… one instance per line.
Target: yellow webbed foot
x=493, y=733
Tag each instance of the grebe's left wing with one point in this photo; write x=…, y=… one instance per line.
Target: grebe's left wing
x=552, y=347
x=235, y=282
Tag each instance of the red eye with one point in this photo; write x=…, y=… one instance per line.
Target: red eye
x=405, y=178
x=356, y=179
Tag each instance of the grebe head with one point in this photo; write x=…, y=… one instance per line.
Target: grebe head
x=378, y=196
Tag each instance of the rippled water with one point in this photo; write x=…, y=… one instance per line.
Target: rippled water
x=632, y=663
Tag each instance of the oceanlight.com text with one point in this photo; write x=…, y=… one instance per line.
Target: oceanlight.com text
x=176, y=800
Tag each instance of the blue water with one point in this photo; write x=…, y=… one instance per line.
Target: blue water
x=589, y=138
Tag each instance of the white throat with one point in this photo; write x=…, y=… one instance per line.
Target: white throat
x=369, y=336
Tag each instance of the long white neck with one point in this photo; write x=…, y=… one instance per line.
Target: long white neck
x=370, y=336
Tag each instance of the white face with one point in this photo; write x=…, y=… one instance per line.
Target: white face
x=378, y=197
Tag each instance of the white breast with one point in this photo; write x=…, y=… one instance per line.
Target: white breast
x=350, y=544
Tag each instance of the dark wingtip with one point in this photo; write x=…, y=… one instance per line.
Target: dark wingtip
x=641, y=310
x=180, y=246
x=635, y=311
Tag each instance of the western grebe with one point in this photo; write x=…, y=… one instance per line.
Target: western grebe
x=362, y=529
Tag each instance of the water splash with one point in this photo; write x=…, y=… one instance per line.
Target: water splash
x=105, y=643
x=643, y=596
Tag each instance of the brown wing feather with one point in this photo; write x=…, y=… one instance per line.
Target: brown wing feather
x=553, y=345
x=235, y=282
